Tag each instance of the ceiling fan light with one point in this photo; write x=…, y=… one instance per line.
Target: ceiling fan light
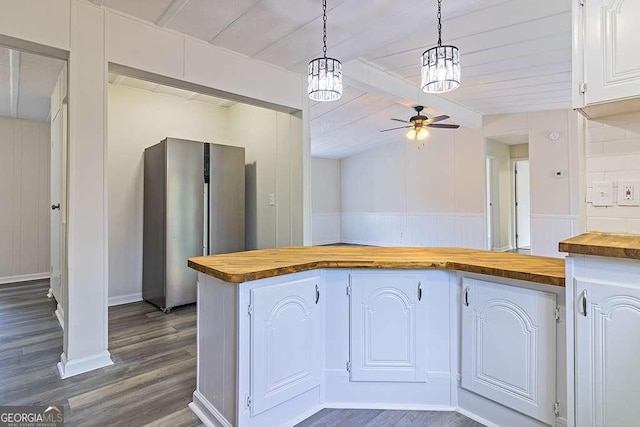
x=440, y=69
x=325, y=79
x=412, y=134
x=423, y=134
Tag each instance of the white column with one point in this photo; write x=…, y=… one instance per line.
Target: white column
x=86, y=340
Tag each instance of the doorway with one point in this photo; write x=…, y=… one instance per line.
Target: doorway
x=492, y=202
x=522, y=205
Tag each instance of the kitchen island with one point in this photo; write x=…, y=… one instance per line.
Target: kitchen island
x=283, y=333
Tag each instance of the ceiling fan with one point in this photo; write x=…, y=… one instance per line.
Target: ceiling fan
x=419, y=124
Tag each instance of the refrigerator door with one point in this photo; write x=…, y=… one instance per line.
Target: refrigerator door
x=226, y=199
x=153, y=225
x=184, y=218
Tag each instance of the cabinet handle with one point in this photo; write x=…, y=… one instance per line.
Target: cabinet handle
x=584, y=303
x=419, y=291
x=54, y=207
x=317, y=294
x=466, y=296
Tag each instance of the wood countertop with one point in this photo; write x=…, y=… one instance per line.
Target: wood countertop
x=603, y=244
x=242, y=267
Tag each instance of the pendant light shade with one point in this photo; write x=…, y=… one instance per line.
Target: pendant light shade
x=440, y=65
x=325, y=79
x=325, y=74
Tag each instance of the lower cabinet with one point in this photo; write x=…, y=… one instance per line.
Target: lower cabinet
x=286, y=342
x=388, y=327
x=509, y=346
x=606, y=354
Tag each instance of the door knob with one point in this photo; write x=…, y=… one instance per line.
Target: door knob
x=54, y=207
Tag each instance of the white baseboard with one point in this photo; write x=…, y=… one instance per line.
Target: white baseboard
x=325, y=242
x=207, y=413
x=503, y=249
x=25, y=277
x=70, y=368
x=60, y=316
x=388, y=406
x=125, y=299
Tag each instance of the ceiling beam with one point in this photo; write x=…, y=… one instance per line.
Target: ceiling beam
x=370, y=78
x=14, y=81
x=174, y=8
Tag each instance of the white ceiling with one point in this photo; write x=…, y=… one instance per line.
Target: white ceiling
x=168, y=90
x=26, y=83
x=515, y=54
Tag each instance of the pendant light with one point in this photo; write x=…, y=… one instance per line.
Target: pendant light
x=440, y=64
x=325, y=74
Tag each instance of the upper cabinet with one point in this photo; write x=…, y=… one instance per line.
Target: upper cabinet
x=606, y=64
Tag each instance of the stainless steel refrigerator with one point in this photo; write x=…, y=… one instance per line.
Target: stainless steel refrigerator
x=193, y=205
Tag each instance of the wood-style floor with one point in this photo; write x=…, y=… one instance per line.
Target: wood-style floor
x=153, y=377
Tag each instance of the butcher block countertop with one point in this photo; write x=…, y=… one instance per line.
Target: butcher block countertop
x=604, y=244
x=242, y=267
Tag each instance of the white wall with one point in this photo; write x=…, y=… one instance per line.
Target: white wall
x=140, y=118
x=555, y=202
x=408, y=194
x=613, y=154
x=24, y=190
x=325, y=200
x=273, y=145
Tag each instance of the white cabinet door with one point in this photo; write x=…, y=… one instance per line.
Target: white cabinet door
x=607, y=351
x=509, y=346
x=286, y=338
x=388, y=322
x=612, y=43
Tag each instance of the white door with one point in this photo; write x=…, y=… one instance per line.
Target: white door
x=286, y=342
x=523, y=204
x=56, y=200
x=388, y=328
x=489, y=204
x=509, y=346
x=607, y=351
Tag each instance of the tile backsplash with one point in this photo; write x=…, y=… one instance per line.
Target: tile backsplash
x=613, y=155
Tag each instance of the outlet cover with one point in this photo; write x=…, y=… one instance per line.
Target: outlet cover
x=602, y=193
x=628, y=193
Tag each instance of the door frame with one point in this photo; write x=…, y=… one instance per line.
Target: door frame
x=514, y=193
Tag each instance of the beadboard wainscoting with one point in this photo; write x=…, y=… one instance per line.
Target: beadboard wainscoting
x=464, y=230
x=326, y=228
x=548, y=230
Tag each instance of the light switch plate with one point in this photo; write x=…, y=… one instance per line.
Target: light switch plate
x=602, y=193
x=628, y=193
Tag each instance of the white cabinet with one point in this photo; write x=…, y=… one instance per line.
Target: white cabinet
x=509, y=346
x=607, y=349
x=606, y=51
x=388, y=327
x=286, y=338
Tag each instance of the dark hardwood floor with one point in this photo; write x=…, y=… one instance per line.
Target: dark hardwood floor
x=152, y=379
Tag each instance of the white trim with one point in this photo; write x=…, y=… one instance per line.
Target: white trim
x=125, y=299
x=207, y=413
x=561, y=422
x=70, y=368
x=60, y=316
x=25, y=277
x=503, y=249
x=475, y=417
x=326, y=242
x=389, y=406
x=554, y=216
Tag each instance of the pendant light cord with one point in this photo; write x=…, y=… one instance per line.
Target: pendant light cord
x=324, y=28
x=439, y=22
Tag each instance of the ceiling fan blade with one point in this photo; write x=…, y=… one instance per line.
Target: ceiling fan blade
x=402, y=121
x=443, y=126
x=437, y=119
x=401, y=127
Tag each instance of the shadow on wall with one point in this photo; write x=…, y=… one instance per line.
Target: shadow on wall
x=251, y=207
